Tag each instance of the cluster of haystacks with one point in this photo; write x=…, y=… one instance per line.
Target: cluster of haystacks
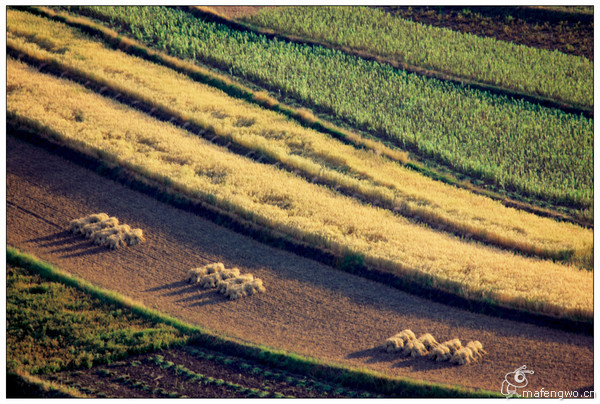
x=106, y=231
x=407, y=344
x=227, y=281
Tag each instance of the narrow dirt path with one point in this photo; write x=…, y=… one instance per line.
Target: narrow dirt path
x=309, y=308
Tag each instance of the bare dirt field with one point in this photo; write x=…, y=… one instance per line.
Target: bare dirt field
x=308, y=308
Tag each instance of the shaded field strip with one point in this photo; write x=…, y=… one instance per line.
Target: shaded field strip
x=165, y=114
x=44, y=137
x=234, y=89
x=209, y=15
x=339, y=374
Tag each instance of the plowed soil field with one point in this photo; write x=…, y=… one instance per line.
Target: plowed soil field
x=308, y=308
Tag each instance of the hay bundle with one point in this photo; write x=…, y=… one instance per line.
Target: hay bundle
x=115, y=241
x=393, y=344
x=454, y=345
x=397, y=342
x=100, y=237
x=463, y=356
x=195, y=274
x=235, y=291
x=222, y=285
x=428, y=341
x=440, y=353
x=414, y=348
x=477, y=348
x=134, y=236
x=253, y=287
x=210, y=280
x=76, y=225
x=106, y=231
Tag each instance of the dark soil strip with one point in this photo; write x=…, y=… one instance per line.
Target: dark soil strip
x=570, y=33
x=432, y=169
x=481, y=86
x=142, y=376
x=349, y=262
x=164, y=115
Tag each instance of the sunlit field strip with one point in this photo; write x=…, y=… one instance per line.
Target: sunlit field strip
x=282, y=201
x=311, y=153
x=556, y=75
x=513, y=144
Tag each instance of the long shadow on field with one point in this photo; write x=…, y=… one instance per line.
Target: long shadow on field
x=81, y=251
x=171, y=285
x=56, y=239
x=423, y=364
x=375, y=355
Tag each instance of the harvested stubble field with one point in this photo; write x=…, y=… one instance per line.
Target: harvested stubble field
x=336, y=316
x=349, y=202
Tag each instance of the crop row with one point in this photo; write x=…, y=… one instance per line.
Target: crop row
x=270, y=137
x=199, y=378
x=511, y=143
x=273, y=374
x=126, y=380
x=287, y=204
x=521, y=68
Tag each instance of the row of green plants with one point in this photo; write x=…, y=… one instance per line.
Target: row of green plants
x=277, y=359
x=520, y=68
x=323, y=389
x=194, y=377
x=514, y=144
x=126, y=380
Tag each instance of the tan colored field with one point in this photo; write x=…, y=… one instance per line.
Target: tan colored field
x=312, y=153
x=310, y=308
x=284, y=202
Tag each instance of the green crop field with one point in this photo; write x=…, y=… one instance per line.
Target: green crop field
x=513, y=144
x=521, y=68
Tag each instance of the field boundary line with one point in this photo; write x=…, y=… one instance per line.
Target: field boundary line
x=237, y=90
x=280, y=359
x=206, y=13
x=164, y=113
x=421, y=285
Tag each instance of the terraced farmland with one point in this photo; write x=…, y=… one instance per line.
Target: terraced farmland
x=353, y=217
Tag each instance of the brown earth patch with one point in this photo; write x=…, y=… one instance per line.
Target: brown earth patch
x=309, y=308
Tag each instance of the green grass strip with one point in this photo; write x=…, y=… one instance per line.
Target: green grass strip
x=333, y=373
